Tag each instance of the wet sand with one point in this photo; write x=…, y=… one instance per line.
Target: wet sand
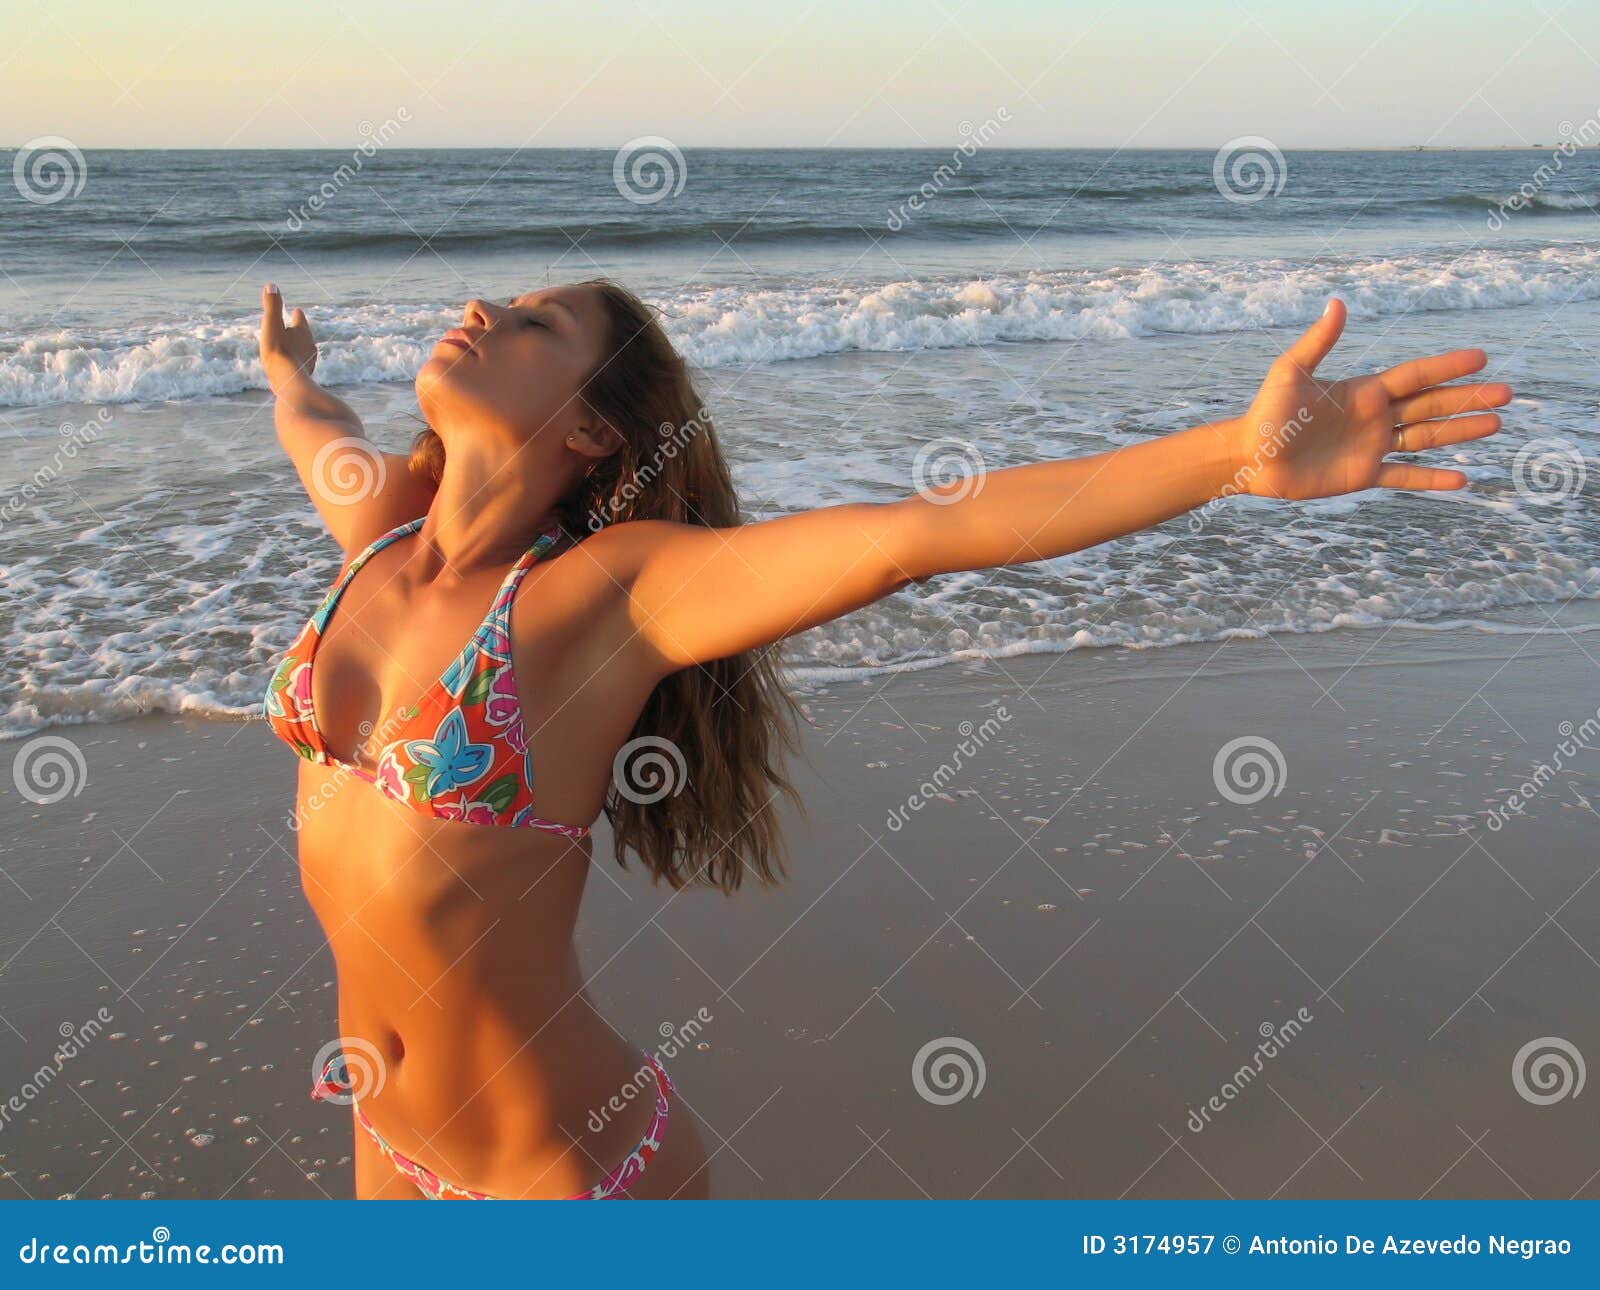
x=1075, y=901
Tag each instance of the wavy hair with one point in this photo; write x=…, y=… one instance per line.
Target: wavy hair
x=732, y=719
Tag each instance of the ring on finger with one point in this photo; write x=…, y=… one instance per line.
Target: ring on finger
x=1399, y=438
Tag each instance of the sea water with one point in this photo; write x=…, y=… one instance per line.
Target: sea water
x=845, y=311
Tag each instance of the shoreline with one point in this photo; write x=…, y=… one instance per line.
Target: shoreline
x=1579, y=614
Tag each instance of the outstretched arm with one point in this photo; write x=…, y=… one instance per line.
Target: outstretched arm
x=359, y=490
x=695, y=594
x=1301, y=438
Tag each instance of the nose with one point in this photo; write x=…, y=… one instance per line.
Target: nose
x=479, y=313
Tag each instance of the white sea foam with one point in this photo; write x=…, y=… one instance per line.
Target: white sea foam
x=186, y=358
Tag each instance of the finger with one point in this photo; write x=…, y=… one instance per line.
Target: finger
x=297, y=318
x=1319, y=338
x=1447, y=400
x=1399, y=474
x=1422, y=435
x=1420, y=373
x=271, y=312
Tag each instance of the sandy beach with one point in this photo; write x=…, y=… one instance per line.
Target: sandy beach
x=1090, y=934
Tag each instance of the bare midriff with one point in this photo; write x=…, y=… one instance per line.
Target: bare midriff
x=453, y=944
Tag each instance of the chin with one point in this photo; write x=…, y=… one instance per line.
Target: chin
x=438, y=380
x=432, y=390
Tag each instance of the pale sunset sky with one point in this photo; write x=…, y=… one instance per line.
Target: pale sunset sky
x=497, y=73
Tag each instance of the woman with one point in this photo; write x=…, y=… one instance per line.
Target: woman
x=558, y=573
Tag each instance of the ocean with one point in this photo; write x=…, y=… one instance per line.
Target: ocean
x=846, y=311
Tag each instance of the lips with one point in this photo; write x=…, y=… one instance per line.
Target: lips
x=457, y=338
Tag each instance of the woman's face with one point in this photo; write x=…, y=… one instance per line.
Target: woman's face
x=516, y=368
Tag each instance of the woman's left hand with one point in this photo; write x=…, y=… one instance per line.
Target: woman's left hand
x=1304, y=437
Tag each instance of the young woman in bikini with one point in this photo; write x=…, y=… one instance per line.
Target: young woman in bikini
x=559, y=569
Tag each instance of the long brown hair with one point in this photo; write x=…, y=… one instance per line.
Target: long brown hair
x=730, y=721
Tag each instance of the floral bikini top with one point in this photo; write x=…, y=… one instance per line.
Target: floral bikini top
x=460, y=752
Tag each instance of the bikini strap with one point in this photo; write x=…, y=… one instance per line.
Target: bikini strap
x=354, y=567
x=501, y=610
x=398, y=531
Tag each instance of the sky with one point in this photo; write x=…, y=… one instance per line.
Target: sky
x=497, y=73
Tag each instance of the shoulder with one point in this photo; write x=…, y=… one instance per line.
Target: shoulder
x=582, y=596
x=617, y=551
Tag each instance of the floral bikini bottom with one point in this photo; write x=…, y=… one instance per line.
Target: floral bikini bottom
x=334, y=1085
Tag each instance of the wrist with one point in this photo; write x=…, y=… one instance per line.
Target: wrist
x=290, y=382
x=1224, y=458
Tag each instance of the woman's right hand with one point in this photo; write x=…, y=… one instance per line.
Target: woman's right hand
x=287, y=349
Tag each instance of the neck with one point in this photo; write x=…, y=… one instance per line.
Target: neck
x=484, y=513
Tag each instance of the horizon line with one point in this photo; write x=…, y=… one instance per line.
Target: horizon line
x=817, y=147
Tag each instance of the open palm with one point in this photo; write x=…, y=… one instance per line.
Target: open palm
x=1304, y=437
